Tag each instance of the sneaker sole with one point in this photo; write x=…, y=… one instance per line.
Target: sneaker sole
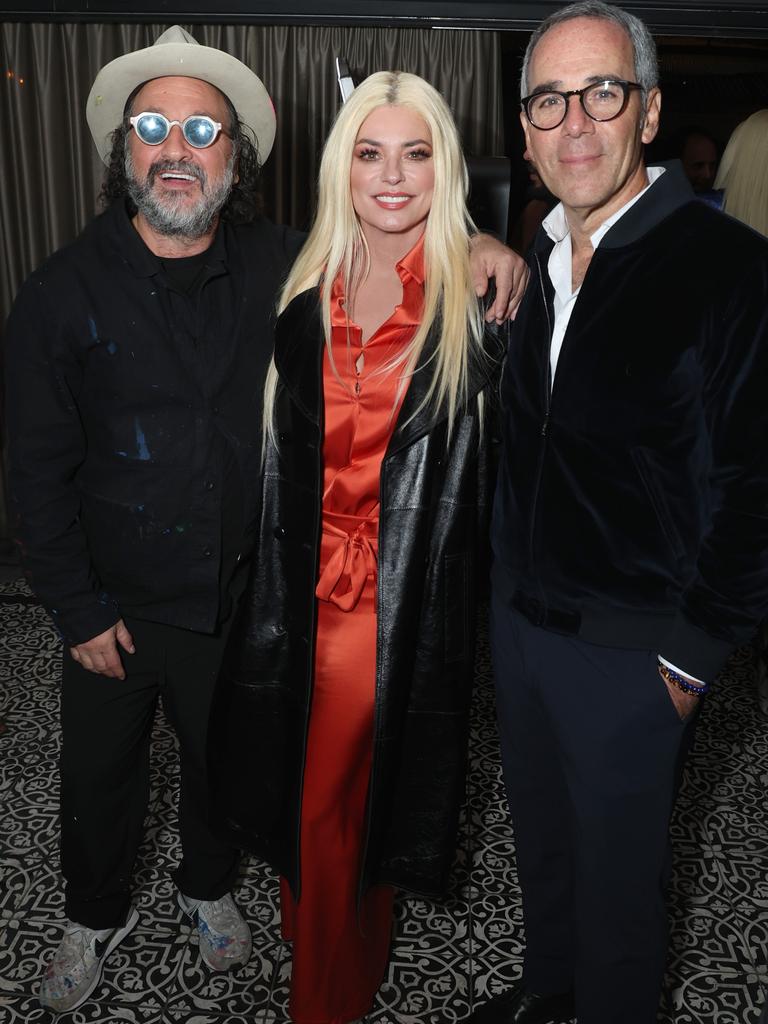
x=117, y=938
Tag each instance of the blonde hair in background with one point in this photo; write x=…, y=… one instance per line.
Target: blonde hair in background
x=336, y=244
x=743, y=172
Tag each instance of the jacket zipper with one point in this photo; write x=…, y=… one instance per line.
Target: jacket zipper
x=544, y=426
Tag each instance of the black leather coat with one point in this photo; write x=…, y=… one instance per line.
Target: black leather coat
x=433, y=500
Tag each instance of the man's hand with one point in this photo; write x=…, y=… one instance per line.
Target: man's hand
x=685, y=703
x=490, y=258
x=100, y=653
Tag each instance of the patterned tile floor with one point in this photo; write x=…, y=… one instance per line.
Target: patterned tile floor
x=447, y=958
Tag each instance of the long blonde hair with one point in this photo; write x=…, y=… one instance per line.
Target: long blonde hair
x=743, y=175
x=336, y=244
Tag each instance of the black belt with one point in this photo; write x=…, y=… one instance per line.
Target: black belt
x=548, y=618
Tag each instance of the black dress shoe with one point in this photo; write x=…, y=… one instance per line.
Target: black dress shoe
x=520, y=1006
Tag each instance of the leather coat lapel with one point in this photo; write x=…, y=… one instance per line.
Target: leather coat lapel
x=415, y=418
x=299, y=345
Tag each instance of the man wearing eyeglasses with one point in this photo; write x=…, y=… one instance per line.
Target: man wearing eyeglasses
x=135, y=362
x=630, y=530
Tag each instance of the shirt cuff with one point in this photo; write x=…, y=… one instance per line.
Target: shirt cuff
x=680, y=672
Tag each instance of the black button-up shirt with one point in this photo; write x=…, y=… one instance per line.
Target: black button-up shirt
x=134, y=422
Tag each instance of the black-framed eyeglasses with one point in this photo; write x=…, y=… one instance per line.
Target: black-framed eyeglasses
x=602, y=101
x=199, y=130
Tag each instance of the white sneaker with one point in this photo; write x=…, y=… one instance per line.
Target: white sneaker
x=225, y=940
x=75, y=968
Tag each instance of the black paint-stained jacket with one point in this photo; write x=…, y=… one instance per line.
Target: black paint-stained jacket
x=133, y=421
x=433, y=498
x=632, y=503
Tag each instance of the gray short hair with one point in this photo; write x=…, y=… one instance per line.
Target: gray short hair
x=643, y=46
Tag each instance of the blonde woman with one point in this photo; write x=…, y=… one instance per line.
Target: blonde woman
x=350, y=678
x=742, y=172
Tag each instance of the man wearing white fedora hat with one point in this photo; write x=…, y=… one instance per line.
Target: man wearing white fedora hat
x=135, y=362
x=135, y=357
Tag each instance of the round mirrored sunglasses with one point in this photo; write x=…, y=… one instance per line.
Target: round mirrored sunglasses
x=199, y=130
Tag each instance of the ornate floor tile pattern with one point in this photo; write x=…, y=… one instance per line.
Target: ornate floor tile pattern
x=497, y=944
x=447, y=958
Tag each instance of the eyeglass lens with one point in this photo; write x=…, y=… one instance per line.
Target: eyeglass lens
x=601, y=101
x=199, y=131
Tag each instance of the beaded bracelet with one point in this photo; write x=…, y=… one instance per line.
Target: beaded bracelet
x=670, y=676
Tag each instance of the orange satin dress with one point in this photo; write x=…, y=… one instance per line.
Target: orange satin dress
x=340, y=950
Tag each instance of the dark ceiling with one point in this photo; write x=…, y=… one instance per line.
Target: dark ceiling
x=710, y=18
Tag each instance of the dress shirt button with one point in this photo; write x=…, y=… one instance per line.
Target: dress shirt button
x=208, y=552
x=215, y=410
x=279, y=532
x=208, y=485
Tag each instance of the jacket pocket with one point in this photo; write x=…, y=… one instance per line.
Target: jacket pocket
x=658, y=501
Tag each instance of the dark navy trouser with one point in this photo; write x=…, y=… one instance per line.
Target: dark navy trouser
x=592, y=747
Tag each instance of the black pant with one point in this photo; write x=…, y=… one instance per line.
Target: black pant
x=592, y=748
x=106, y=726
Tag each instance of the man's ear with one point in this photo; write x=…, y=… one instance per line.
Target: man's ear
x=526, y=131
x=526, y=125
x=652, y=114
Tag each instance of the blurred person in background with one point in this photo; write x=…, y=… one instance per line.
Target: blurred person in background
x=744, y=180
x=743, y=173
x=698, y=151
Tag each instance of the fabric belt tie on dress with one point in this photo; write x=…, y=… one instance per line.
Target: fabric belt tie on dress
x=354, y=559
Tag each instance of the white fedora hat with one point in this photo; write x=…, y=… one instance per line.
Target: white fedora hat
x=176, y=52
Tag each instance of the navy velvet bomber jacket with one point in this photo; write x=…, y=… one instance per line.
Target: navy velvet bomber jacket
x=633, y=498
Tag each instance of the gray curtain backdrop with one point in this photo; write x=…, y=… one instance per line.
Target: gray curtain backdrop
x=50, y=174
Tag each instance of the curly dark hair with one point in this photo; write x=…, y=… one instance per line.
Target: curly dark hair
x=245, y=203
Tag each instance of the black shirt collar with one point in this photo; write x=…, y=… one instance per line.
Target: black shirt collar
x=140, y=259
x=667, y=194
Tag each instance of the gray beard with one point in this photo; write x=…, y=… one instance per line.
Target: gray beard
x=170, y=215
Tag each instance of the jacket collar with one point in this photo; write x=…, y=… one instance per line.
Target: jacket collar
x=299, y=347
x=667, y=194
